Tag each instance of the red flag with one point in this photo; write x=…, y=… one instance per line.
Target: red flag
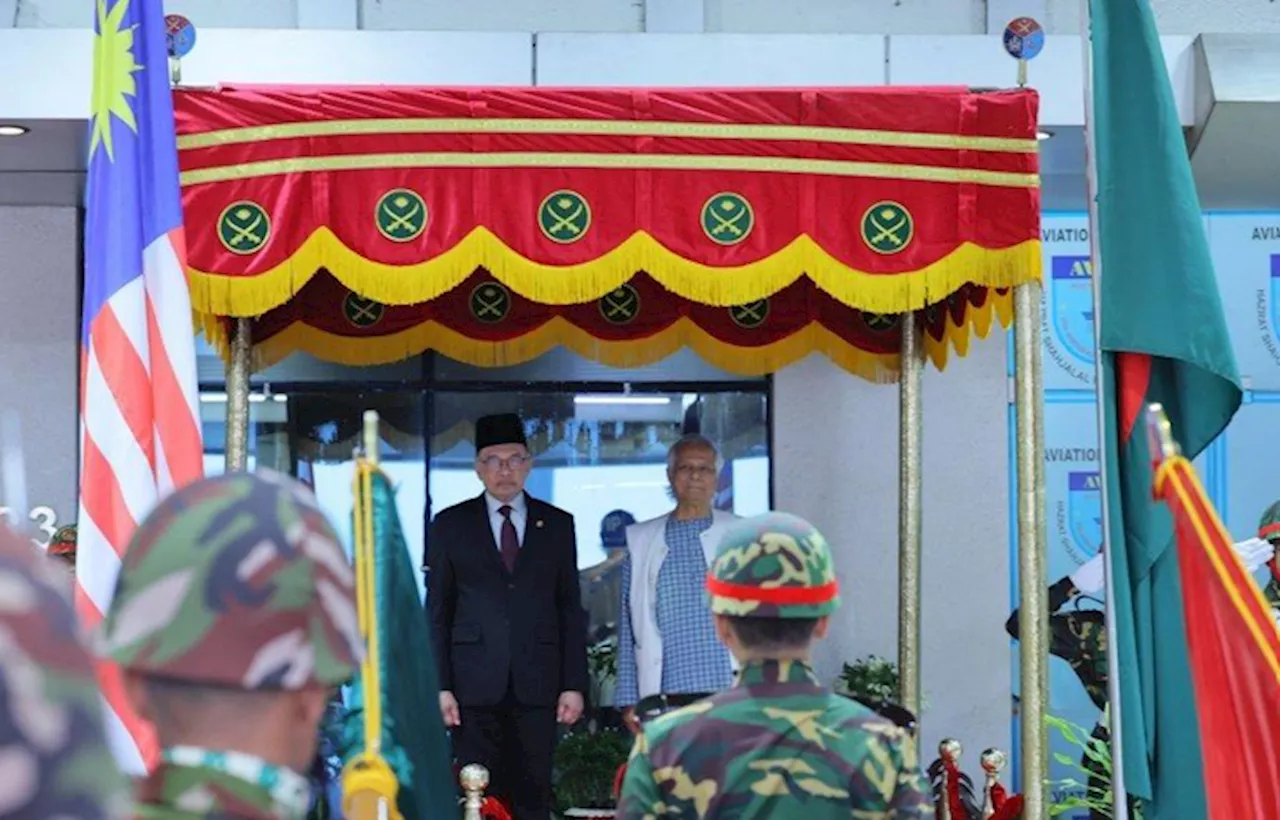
x=1234, y=648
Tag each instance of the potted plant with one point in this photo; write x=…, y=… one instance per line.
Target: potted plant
x=585, y=767
x=871, y=679
x=589, y=755
x=1090, y=791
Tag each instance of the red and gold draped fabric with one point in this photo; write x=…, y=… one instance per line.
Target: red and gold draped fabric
x=755, y=226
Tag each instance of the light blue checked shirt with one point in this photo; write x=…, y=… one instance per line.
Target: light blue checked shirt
x=693, y=660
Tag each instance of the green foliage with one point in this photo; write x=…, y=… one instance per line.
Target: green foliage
x=586, y=764
x=871, y=678
x=1097, y=752
x=602, y=660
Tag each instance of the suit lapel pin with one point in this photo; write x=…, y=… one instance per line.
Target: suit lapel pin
x=538, y=523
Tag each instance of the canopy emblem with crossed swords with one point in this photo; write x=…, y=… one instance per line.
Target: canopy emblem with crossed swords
x=490, y=302
x=750, y=315
x=620, y=306
x=881, y=322
x=727, y=218
x=244, y=227
x=887, y=228
x=401, y=215
x=362, y=312
x=564, y=216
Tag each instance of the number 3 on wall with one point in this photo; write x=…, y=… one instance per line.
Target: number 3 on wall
x=45, y=519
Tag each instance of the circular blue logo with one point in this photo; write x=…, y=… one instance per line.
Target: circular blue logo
x=1024, y=39
x=180, y=35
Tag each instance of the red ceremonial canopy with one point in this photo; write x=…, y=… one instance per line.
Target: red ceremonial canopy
x=755, y=226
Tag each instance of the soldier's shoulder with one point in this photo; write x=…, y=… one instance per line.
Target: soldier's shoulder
x=661, y=727
x=871, y=724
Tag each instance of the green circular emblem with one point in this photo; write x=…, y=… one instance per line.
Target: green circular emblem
x=727, y=218
x=887, y=227
x=362, y=312
x=401, y=215
x=490, y=302
x=244, y=227
x=564, y=216
x=881, y=322
x=620, y=306
x=751, y=315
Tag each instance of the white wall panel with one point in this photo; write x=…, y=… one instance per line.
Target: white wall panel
x=843, y=16
x=835, y=451
x=1058, y=72
x=503, y=15
x=1185, y=16
x=709, y=59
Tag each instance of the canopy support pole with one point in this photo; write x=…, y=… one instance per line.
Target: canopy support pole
x=910, y=473
x=238, y=396
x=1033, y=612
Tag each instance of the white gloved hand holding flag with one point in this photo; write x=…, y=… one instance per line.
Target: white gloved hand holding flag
x=1090, y=578
x=1254, y=553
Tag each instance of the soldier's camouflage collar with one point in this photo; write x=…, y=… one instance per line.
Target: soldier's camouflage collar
x=189, y=776
x=755, y=673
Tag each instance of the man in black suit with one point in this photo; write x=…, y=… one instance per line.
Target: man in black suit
x=506, y=613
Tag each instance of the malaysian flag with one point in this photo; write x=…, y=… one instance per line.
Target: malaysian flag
x=139, y=424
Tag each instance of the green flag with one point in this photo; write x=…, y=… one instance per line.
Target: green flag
x=413, y=735
x=1163, y=338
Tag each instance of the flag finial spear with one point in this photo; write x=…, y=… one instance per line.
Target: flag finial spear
x=1160, y=434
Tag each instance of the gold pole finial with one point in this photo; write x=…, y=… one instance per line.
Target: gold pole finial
x=1160, y=434
x=474, y=779
x=370, y=438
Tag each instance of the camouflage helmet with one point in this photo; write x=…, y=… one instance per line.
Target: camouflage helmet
x=1269, y=525
x=773, y=566
x=57, y=762
x=236, y=581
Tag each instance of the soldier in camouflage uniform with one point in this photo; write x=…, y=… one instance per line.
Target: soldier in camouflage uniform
x=54, y=760
x=777, y=745
x=234, y=619
x=1269, y=531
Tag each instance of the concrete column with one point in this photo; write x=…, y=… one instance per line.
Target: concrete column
x=330, y=14
x=675, y=16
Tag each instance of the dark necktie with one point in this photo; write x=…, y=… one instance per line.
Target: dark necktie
x=510, y=544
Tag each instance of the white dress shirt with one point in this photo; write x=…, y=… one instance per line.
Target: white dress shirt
x=519, y=515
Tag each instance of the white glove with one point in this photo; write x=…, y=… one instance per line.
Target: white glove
x=1254, y=552
x=1091, y=577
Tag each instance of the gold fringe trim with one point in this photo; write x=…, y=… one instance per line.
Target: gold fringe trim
x=744, y=361
x=229, y=295
x=977, y=322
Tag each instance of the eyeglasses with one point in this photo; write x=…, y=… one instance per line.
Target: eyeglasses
x=493, y=463
x=692, y=470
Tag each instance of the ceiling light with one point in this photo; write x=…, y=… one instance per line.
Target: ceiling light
x=12, y=130
x=1044, y=135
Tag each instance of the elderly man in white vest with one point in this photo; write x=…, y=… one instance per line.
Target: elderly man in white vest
x=668, y=654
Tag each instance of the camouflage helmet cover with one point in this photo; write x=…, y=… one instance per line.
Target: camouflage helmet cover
x=236, y=581
x=773, y=566
x=56, y=761
x=1269, y=525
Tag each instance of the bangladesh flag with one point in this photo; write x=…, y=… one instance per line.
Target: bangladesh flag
x=1163, y=339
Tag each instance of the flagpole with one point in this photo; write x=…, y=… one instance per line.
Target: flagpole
x=909, y=514
x=1119, y=796
x=237, y=445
